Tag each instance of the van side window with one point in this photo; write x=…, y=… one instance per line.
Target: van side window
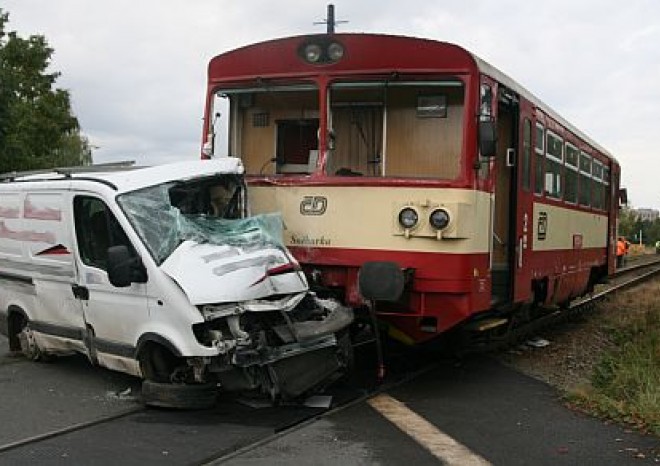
x=96, y=230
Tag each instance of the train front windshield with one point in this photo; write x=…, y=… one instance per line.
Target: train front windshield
x=374, y=128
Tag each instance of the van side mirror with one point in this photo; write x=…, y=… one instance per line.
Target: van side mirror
x=124, y=269
x=487, y=138
x=623, y=196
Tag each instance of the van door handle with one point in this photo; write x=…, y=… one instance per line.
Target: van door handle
x=80, y=292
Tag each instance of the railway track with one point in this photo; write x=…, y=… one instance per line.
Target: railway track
x=151, y=430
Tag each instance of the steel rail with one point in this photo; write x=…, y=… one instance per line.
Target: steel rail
x=66, y=430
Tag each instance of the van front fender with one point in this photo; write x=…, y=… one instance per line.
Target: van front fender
x=151, y=337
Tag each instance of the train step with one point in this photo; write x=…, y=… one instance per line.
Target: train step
x=487, y=324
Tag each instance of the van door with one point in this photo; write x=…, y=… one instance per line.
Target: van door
x=113, y=316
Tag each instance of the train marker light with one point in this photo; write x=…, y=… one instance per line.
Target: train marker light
x=439, y=219
x=408, y=218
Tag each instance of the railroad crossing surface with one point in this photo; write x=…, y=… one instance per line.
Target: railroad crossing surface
x=477, y=412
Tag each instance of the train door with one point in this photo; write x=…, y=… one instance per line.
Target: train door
x=523, y=213
x=505, y=208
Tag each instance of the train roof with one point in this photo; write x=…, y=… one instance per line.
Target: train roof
x=124, y=177
x=457, y=56
x=496, y=74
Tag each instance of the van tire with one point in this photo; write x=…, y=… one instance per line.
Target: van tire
x=179, y=396
x=28, y=345
x=157, y=363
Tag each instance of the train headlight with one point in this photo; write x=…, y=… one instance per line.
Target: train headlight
x=335, y=51
x=313, y=53
x=321, y=50
x=439, y=219
x=408, y=218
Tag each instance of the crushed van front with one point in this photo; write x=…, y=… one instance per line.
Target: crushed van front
x=269, y=332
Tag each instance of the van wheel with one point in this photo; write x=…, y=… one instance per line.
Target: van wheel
x=178, y=396
x=29, y=346
x=158, y=364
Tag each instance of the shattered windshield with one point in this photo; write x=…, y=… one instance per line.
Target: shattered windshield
x=168, y=214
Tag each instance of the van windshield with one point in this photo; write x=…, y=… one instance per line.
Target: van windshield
x=166, y=215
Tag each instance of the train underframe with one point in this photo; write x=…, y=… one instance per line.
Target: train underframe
x=465, y=311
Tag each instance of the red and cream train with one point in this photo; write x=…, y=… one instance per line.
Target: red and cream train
x=387, y=148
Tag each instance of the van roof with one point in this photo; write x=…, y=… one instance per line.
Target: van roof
x=126, y=177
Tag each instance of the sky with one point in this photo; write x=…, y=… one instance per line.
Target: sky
x=136, y=70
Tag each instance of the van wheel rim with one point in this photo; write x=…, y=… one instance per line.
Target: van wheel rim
x=29, y=344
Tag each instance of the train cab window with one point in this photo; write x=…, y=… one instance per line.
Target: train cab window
x=527, y=155
x=571, y=173
x=539, y=156
x=553, y=165
x=397, y=129
x=272, y=128
x=585, y=179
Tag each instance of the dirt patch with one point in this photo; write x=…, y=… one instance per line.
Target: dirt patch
x=573, y=349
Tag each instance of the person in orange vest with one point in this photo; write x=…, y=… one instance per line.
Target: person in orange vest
x=620, y=251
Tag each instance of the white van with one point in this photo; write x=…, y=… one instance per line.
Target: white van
x=161, y=273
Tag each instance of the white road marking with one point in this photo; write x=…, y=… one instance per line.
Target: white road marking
x=439, y=444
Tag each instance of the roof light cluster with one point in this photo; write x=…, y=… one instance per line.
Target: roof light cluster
x=321, y=51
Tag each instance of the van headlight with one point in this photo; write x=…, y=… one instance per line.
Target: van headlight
x=439, y=219
x=408, y=218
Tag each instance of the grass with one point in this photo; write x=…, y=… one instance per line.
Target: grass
x=625, y=383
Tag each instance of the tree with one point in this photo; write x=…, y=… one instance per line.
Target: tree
x=627, y=222
x=37, y=126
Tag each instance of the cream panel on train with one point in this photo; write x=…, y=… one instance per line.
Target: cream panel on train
x=363, y=217
x=561, y=228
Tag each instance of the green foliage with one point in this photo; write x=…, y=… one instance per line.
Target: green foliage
x=625, y=385
x=37, y=126
x=627, y=222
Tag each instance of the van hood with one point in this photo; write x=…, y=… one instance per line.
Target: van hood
x=210, y=273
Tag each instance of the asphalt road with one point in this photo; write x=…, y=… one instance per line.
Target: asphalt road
x=37, y=398
x=495, y=413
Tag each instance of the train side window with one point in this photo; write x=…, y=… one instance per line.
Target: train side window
x=585, y=179
x=597, y=185
x=553, y=165
x=606, y=187
x=527, y=155
x=571, y=173
x=539, y=146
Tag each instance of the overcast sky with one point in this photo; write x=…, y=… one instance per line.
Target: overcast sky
x=136, y=69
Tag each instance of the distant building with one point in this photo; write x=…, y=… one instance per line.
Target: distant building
x=646, y=215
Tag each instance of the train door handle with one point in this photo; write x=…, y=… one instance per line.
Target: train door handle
x=80, y=292
x=510, y=157
x=520, y=252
